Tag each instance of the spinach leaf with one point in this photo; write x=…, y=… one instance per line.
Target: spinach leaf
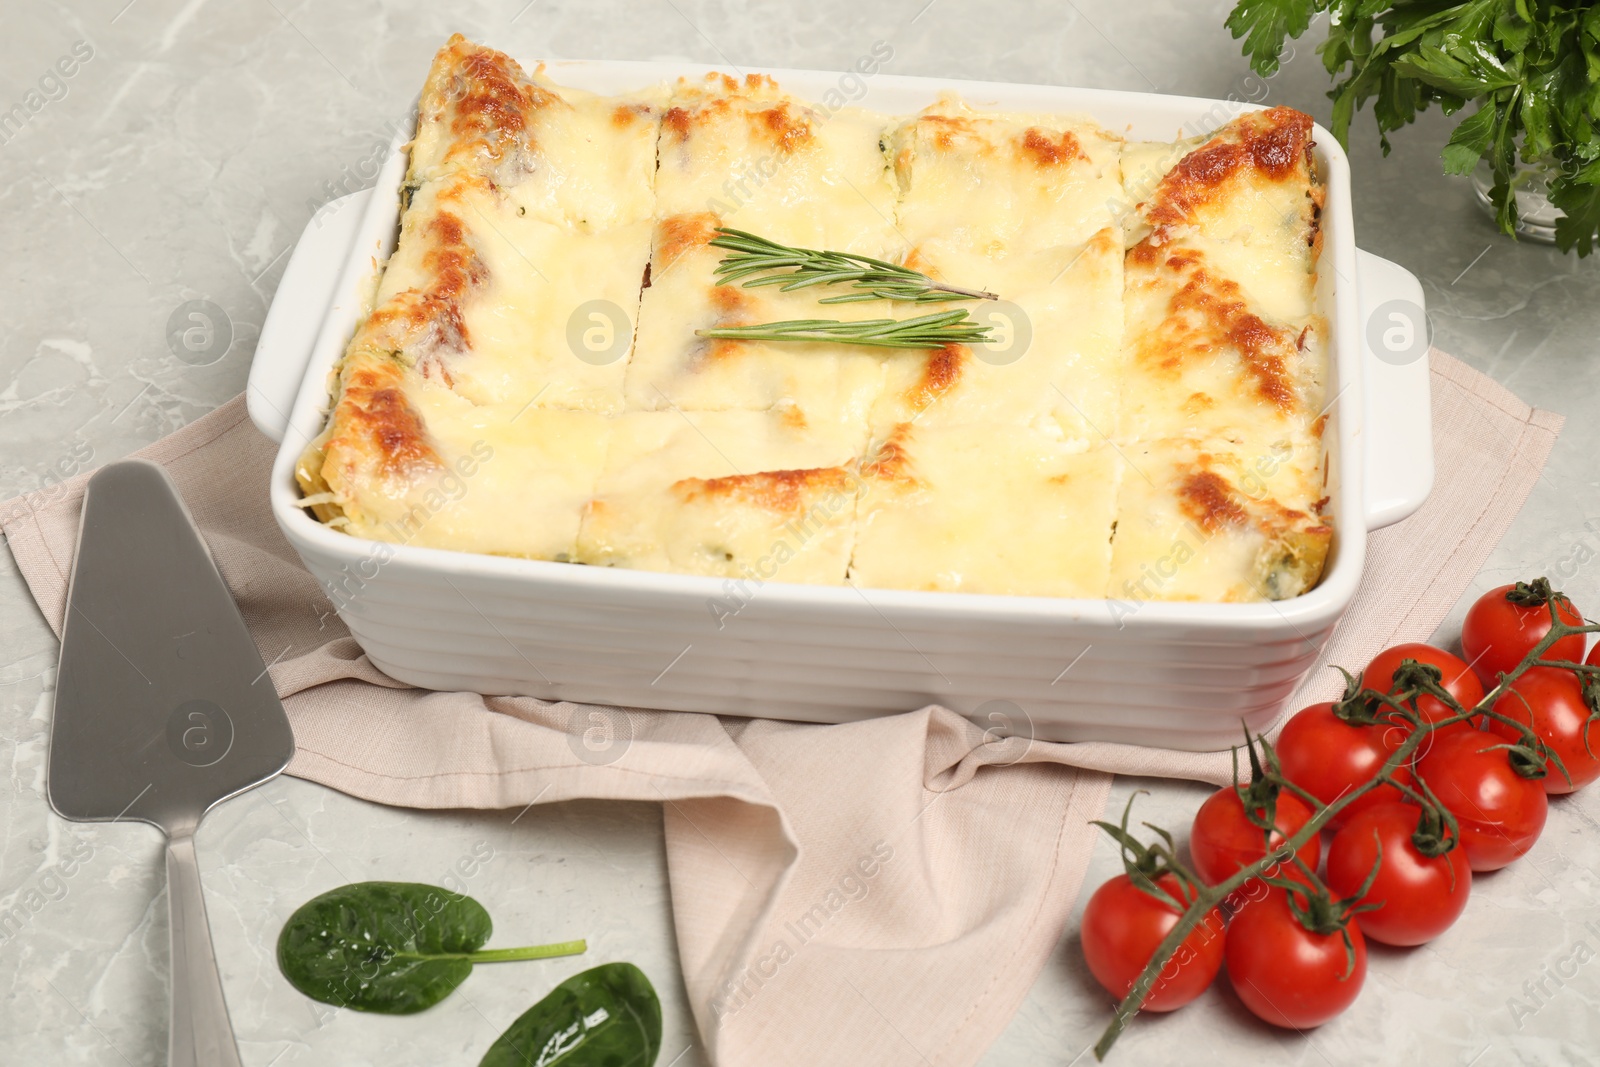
x=605, y=1017
x=393, y=947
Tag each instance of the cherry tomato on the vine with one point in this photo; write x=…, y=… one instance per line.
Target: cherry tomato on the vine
x=1223, y=839
x=1328, y=757
x=1500, y=812
x=1550, y=700
x=1421, y=896
x=1287, y=975
x=1458, y=679
x=1497, y=633
x=1122, y=925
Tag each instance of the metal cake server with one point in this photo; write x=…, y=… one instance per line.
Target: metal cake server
x=163, y=708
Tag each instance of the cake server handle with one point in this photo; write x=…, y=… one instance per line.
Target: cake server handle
x=201, y=1034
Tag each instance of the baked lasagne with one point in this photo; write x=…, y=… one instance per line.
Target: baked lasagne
x=1145, y=422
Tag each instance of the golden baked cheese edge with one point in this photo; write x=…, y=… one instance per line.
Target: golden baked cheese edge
x=1224, y=398
x=425, y=388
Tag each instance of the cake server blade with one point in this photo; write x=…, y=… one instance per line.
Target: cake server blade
x=163, y=709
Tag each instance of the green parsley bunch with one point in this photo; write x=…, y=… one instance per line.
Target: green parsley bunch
x=1532, y=65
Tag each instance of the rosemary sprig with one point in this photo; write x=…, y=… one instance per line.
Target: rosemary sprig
x=924, y=331
x=766, y=262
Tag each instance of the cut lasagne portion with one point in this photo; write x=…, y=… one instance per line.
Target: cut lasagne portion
x=676, y=368
x=507, y=309
x=502, y=322
x=763, y=161
x=1200, y=520
x=409, y=461
x=1206, y=360
x=559, y=155
x=735, y=494
x=990, y=508
x=1055, y=362
x=1247, y=199
x=999, y=183
x=746, y=155
x=1223, y=402
x=527, y=229
x=1026, y=207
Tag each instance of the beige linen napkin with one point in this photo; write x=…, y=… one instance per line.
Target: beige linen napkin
x=879, y=892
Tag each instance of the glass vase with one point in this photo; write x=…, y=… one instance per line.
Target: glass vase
x=1530, y=184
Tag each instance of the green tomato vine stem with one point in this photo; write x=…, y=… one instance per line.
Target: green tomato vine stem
x=1205, y=898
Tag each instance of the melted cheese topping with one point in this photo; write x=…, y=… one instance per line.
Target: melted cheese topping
x=1245, y=197
x=413, y=462
x=999, y=184
x=676, y=368
x=1222, y=406
x=986, y=508
x=523, y=311
x=1057, y=364
x=1208, y=361
x=763, y=161
x=530, y=381
x=745, y=155
x=1142, y=165
x=737, y=494
x=1203, y=521
x=1024, y=206
x=563, y=156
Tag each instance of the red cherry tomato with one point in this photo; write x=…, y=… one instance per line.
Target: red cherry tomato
x=1500, y=812
x=1327, y=757
x=1458, y=680
x=1421, y=896
x=1550, y=700
x=1496, y=633
x=1122, y=925
x=1223, y=840
x=1284, y=973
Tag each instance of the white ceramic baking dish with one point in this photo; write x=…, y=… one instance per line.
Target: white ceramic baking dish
x=1173, y=675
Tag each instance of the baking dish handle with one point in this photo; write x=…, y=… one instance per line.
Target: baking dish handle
x=1398, y=416
x=304, y=296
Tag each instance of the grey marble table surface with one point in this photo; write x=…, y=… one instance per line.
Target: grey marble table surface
x=178, y=162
